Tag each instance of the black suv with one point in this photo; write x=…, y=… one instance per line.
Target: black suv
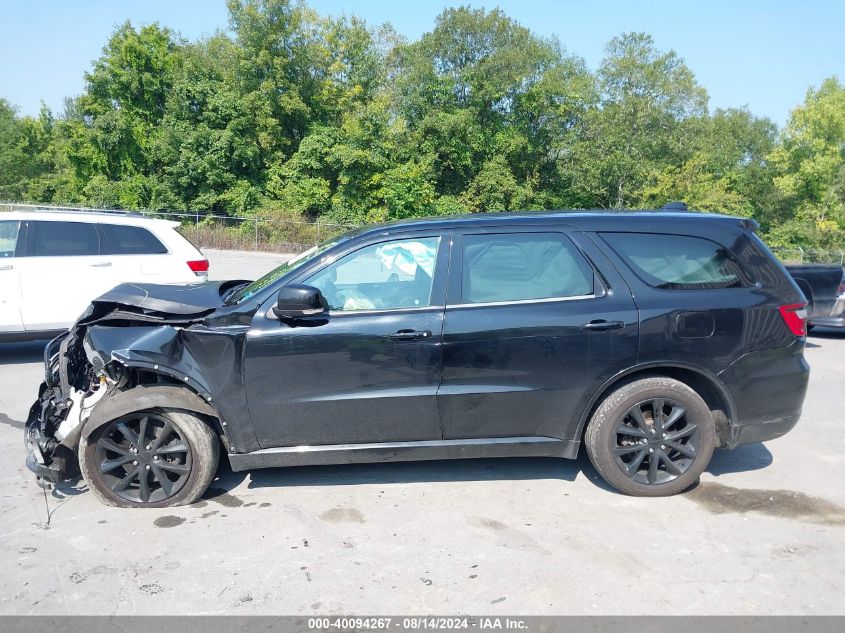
x=650, y=337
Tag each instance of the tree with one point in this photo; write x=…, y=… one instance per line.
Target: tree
x=14, y=160
x=646, y=96
x=810, y=169
x=485, y=96
x=727, y=171
x=279, y=70
x=113, y=127
x=207, y=151
x=26, y=154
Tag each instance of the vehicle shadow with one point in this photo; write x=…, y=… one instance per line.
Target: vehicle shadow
x=25, y=352
x=741, y=459
x=516, y=468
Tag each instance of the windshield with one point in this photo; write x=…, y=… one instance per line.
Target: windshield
x=312, y=253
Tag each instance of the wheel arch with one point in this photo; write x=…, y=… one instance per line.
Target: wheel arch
x=143, y=397
x=707, y=385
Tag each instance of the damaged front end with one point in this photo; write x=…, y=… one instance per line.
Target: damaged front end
x=70, y=390
x=133, y=336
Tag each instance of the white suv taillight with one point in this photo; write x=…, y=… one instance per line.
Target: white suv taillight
x=199, y=266
x=795, y=317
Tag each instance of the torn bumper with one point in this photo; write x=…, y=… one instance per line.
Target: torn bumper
x=41, y=456
x=35, y=461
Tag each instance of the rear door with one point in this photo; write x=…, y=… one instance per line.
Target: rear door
x=536, y=319
x=10, y=282
x=62, y=272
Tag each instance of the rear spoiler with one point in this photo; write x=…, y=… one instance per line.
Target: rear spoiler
x=749, y=224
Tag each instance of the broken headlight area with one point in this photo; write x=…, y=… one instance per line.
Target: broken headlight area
x=72, y=387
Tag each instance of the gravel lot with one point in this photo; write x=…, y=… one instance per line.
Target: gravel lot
x=764, y=533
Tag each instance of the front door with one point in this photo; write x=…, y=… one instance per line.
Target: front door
x=531, y=330
x=367, y=370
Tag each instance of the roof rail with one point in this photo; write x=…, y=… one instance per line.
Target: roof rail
x=46, y=208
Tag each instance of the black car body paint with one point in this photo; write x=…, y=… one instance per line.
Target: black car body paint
x=450, y=379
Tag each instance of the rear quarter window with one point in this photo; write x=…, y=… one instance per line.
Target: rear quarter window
x=678, y=262
x=131, y=240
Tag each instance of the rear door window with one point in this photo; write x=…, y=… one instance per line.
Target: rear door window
x=131, y=240
x=507, y=267
x=63, y=239
x=677, y=262
x=8, y=237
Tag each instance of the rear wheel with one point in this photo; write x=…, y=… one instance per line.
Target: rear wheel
x=152, y=459
x=652, y=437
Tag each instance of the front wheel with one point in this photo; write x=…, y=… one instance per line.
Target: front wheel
x=149, y=459
x=652, y=437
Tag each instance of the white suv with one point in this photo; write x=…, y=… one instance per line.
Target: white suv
x=52, y=264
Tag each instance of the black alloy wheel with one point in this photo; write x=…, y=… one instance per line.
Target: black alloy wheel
x=655, y=443
x=651, y=437
x=143, y=458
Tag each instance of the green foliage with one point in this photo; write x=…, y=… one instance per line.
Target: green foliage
x=648, y=98
x=810, y=169
x=292, y=115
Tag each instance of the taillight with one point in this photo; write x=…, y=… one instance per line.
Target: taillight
x=840, y=294
x=199, y=266
x=795, y=317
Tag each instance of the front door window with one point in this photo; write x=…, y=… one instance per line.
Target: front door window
x=385, y=276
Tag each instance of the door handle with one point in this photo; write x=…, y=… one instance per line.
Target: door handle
x=409, y=335
x=601, y=325
x=101, y=265
x=6, y=267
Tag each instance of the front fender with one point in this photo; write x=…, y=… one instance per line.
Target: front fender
x=207, y=361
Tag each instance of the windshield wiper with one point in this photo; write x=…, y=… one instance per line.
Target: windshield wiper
x=230, y=292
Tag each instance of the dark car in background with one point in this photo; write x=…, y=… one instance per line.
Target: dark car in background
x=824, y=287
x=651, y=338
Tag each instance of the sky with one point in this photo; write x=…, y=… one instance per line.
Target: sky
x=760, y=54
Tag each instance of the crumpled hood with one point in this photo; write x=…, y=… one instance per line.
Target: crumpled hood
x=168, y=298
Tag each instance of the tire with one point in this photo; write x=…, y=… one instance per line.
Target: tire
x=672, y=454
x=178, y=447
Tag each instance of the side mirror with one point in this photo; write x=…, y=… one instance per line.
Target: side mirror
x=297, y=300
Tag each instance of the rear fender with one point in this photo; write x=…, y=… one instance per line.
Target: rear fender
x=662, y=368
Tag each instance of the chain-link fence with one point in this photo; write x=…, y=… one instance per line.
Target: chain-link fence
x=206, y=230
